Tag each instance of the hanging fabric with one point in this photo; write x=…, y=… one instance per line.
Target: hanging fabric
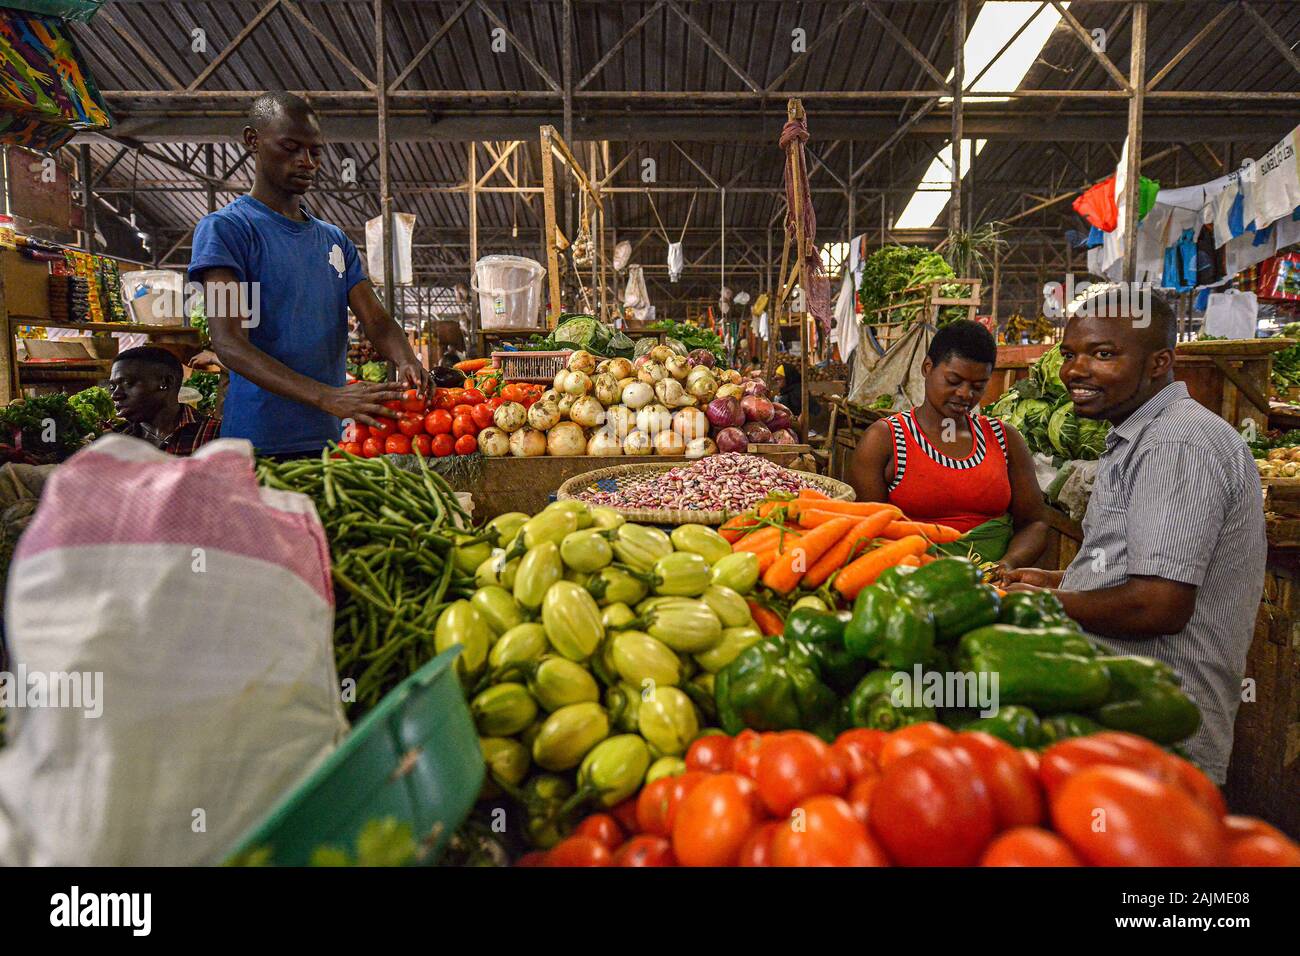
x=676, y=257
x=816, y=287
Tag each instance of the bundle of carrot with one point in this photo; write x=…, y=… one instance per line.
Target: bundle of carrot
x=811, y=541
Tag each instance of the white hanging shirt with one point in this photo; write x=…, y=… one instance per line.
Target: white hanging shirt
x=1277, y=181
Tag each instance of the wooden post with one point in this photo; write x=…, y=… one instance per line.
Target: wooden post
x=472, y=167
x=958, y=81
x=9, y=387
x=210, y=164
x=548, y=208
x=794, y=110
x=997, y=267
x=385, y=187
x=1133, y=165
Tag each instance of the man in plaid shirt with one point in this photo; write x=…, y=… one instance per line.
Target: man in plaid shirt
x=144, y=385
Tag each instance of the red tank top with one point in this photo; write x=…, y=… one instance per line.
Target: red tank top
x=959, y=492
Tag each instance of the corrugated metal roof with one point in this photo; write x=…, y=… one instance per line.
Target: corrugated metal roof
x=851, y=53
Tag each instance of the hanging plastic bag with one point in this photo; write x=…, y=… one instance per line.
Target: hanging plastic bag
x=675, y=261
x=403, y=232
x=1232, y=314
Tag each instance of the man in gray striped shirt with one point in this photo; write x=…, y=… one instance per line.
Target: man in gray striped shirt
x=1172, y=561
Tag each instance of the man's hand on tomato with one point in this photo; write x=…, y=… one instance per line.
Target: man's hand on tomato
x=413, y=375
x=363, y=401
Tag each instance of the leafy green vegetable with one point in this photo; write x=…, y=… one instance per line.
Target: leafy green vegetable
x=1046, y=373
x=374, y=371
x=95, y=406
x=1092, y=438
x=1040, y=409
x=694, y=337
x=580, y=332
x=50, y=425
x=205, y=383
x=1063, y=430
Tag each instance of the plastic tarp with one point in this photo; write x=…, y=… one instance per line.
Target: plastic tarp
x=180, y=619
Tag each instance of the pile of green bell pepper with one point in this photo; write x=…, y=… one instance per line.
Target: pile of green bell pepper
x=775, y=685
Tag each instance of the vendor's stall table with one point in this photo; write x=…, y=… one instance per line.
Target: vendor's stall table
x=1230, y=377
x=1264, y=775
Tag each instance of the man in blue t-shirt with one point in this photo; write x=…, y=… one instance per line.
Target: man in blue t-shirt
x=277, y=286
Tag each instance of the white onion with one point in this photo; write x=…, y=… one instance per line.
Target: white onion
x=669, y=391
x=587, y=411
x=544, y=416
x=677, y=367
x=558, y=382
x=604, y=444
x=637, y=443
x=566, y=438
x=527, y=443
x=729, y=390
x=607, y=389
x=701, y=383
x=669, y=443
x=701, y=447
x=582, y=361
x=493, y=442
x=637, y=395
x=576, y=383
x=621, y=368
x=603, y=367
x=565, y=403
x=661, y=353
x=690, y=423
x=551, y=395
x=732, y=376
x=651, y=372
x=510, y=417
x=619, y=420
x=653, y=419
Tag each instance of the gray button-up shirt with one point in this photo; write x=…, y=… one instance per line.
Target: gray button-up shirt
x=1177, y=497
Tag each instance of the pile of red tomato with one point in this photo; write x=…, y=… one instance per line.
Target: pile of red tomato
x=923, y=796
x=444, y=422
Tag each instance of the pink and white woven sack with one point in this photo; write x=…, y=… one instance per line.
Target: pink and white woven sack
x=202, y=604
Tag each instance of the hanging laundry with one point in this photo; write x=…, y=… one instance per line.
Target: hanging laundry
x=675, y=261
x=1277, y=190
x=1098, y=205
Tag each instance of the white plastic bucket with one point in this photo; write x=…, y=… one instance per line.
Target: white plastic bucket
x=155, y=296
x=509, y=292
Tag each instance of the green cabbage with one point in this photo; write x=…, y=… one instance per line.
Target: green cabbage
x=580, y=331
x=1046, y=373
x=374, y=371
x=1092, y=438
x=1063, y=430
x=1036, y=412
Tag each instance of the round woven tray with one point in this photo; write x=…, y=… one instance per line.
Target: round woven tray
x=610, y=479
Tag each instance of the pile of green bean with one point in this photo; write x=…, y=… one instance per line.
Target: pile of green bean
x=392, y=539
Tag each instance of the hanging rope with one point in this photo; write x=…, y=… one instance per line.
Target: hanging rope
x=689, y=210
x=815, y=286
x=654, y=209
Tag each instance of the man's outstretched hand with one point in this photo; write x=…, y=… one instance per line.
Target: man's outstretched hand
x=363, y=402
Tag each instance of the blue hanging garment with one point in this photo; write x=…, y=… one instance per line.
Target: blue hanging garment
x=1263, y=235
x=1235, y=225
x=1187, y=261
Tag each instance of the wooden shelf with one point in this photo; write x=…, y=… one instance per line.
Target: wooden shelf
x=130, y=327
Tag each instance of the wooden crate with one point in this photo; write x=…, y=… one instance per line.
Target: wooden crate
x=1013, y=365
x=1230, y=378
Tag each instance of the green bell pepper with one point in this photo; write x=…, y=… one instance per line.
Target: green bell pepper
x=823, y=633
x=1018, y=726
x=865, y=632
x=1063, y=726
x=964, y=609
x=890, y=578
x=1032, y=609
x=897, y=631
x=871, y=704
x=1145, y=699
x=939, y=579
x=774, y=685
x=1051, y=670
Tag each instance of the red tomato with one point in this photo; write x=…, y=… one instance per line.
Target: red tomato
x=356, y=432
x=744, y=753
x=438, y=422
x=397, y=445
x=757, y=850
x=911, y=739
x=578, y=851
x=791, y=767
x=625, y=814
x=372, y=448
x=531, y=399
x=386, y=427
x=482, y=415
x=462, y=425
x=514, y=392
x=932, y=809
x=1029, y=846
x=351, y=447
x=603, y=828
x=1033, y=759
x=682, y=786
x=835, y=772
x=462, y=409
x=1117, y=816
x=411, y=424
x=1191, y=779
x=652, y=807
x=829, y=836
x=860, y=748
x=495, y=403
x=712, y=753
x=473, y=396
x=442, y=399
x=466, y=445
x=714, y=821
x=1264, y=850
x=422, y=445
x=1238, y=828
x=443, y=445
x=394, y=405
x=535, y=858
x=1016, y=792
x=645, y=850
x=860, y=794
x=455, y=396
x=412, y=401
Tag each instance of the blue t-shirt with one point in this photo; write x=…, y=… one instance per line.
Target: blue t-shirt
x=303, y=273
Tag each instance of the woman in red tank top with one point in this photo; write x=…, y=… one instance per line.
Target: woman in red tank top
x=940, y=463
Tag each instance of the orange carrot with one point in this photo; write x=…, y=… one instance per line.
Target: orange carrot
x=861, y=509
x=912, y=561
x=737, y=527
x=937, y=533
x=813, y=494
x=867, y=568
x=813, y=517
x=784, y=574
x=768, y=621
x=924, y=559
x=759, y=540
x=863, y=531
x=767, y=556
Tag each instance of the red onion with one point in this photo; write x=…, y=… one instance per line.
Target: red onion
x=758, y=432
x=756, y=387
x=725, y=413
x=756, y=408
x=731, y=439
x=784, y=436
x=702, y=357
x=782, y=417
